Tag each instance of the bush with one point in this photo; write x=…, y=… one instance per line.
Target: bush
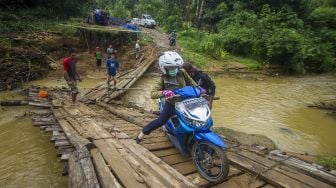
x=325, y=16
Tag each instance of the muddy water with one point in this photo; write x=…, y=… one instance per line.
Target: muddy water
x=275, y=108
x=27, y=159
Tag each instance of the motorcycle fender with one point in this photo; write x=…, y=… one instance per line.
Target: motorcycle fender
x=210, y=137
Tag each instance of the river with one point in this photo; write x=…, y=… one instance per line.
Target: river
x=275, y=107
x=27, y=158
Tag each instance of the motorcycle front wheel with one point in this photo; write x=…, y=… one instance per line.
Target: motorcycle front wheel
x=210, y=161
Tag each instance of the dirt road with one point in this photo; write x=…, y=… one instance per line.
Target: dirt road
x=160, y=39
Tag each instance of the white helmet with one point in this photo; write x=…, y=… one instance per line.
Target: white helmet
x=170, y=59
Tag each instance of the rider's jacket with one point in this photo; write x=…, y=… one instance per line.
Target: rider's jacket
x=182, y=79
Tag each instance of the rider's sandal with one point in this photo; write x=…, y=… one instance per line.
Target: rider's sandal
x=138, y=140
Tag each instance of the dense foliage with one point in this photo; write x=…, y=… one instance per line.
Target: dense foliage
x=299, y=35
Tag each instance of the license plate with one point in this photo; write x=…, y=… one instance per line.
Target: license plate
x=193, y=103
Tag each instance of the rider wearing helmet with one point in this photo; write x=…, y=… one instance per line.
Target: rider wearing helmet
x=172, y=38
x=173, y=77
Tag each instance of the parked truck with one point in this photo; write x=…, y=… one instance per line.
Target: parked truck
x=98, y=16
x=146, y=20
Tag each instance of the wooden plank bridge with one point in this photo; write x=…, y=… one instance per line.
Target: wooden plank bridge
x=96, y=142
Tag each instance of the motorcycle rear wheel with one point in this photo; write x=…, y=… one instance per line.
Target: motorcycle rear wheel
x=210, y=161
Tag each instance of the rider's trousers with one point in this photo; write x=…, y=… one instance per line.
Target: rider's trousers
x=167, y=112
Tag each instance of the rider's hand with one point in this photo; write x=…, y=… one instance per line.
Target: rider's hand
x=203, y=91
x=167, y=93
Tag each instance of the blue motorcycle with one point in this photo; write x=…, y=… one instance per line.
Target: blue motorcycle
x=189, y=131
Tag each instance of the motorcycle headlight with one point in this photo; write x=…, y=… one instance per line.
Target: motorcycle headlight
x=196, y=123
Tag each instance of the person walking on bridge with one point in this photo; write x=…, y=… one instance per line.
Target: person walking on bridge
x=112, y=65
x=70, y=74
x=109, y=51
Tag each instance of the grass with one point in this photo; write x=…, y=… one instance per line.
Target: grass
x=248, y=62
x=327, y=161
x=191, y=55
x=190, y=44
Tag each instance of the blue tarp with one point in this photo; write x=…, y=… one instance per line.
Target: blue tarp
x=130, y=27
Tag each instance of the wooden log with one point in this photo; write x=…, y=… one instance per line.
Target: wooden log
x=58, y=137
x=43, y=127
x=124, y=114
x=82, y=152
x=106, y=178
x=65, y=157
x=62, y=143
x=60, y=152
x=49, y=58
x=76, y=176
x=65, y=170
x=38, y=104
x=13, y=102
x=72, y=135
x=51, y=129
x=43, y=119
x=39, y=123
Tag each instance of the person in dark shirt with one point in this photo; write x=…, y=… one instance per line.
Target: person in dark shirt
x=70, y=74
x=202, y=79
x=112, y=65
